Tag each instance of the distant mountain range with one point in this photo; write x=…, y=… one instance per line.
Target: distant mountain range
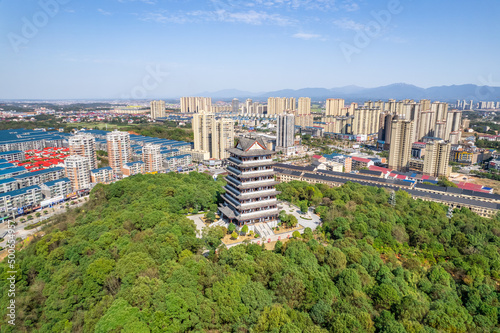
x=396, y=91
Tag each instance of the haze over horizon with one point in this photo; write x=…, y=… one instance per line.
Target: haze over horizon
x=151, y=48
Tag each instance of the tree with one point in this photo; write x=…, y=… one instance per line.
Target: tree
x=30, y=217
x=38, y=214
x=210, y=216
x=234, y=235
x=45, y=212
x=283, y=216
x=296, y=234
x=244, y=229
x=231, y=228
x=303, y=206
x=292, y=221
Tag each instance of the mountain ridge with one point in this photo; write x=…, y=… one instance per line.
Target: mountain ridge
x=398, y=91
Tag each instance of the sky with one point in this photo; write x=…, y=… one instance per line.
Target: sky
x=140, y=49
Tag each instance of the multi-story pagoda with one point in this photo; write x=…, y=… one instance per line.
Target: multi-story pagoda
x=250, y=191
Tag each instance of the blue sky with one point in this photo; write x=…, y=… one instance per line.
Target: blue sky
x=66, y=49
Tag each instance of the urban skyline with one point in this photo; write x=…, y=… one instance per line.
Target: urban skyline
x=150, y=49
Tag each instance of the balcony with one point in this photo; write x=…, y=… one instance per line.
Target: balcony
x=256, y=215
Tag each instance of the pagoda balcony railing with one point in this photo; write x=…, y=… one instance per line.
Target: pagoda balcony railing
x=232, y=190
x=257, y=185
x=266, y=161
x=260, y=213
x=235, y=203
x=258, y=203
x=255, y=194
x=260, y=173
x=233, y=180
x=233, y=170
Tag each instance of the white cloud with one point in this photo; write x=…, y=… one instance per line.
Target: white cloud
x=248, y=17
x=306, y=36
x=149, y=2
x=103, y=12
x=323, y=5
x=349, y=5
x=348, y=24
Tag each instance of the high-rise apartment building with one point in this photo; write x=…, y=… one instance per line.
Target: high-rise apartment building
x=250, y=196
x=83, y=145
x=152, y=158
x=437, y=155
x=304, y=107
x=157, y=109
x=427, y=125
x=77, y=170
x=440, y=109
x=196, y=104
x=366, y=121
x=248, y=106
x=285, y=131
x=453, y=121
x=278, y=105
x=212, y=135
x=235, y=105
x=119, y=151
x=440, y=130
x=400, y=150
x=334, y=107
x=222, y=138
x=425, y=104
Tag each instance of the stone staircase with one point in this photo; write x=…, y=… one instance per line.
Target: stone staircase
x=263, y=230
x=220, y=223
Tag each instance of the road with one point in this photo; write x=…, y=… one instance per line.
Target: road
x=19, y=228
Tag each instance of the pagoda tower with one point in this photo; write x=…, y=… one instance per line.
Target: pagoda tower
x=250, y=196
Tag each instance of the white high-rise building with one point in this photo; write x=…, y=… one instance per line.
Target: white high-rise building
x=335, y=107
x=77, y=169
x=83, y=145
x=157, y=109
x=304, y=107
x=278, y=105
x=196, y=104
x=235, y=105
x=119, y=151
x=400, y=150
x=151, y=156
x=285, y=131
x=212, y=135
x=437, y=155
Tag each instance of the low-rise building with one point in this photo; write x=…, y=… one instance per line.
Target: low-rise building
x=39, y=177
x=20, y=201
x=102, y=175
x=12, y=172
x=56, y=188
x=133, y=168
x=360, y=162
x=13, y=155
x=178, y=161
x=8, y=184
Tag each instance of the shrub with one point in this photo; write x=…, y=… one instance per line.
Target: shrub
x=234, y=235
